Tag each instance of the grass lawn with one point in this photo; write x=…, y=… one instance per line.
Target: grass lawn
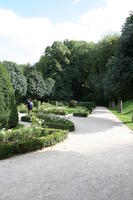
x=70, y=110
x=126, y=115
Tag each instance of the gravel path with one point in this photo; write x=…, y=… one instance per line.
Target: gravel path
x=94, y=163
x=26, y=124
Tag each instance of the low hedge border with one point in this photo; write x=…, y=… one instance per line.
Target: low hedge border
x=57, y=122
x=20, y=147
x=56, y=112
x=69, y=126
x=80, y=114
x=88, y=105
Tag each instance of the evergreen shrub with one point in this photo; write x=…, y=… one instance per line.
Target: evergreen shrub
x=8, y=108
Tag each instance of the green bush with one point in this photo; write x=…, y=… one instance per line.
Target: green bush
x=53, y=121
x=22, y=108
x=56, y=111
x=59, y=103
x=8, y=109
x=72, y=103
x=80, y=114
x=26, y=140
x=36, y=104
x=69, y=126
x=88, y=105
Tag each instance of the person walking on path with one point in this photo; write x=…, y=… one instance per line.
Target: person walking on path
x=29, y=106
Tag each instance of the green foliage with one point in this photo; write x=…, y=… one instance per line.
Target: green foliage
x=118, y=79
x=88, y=105
x=53, y=121
x=37, y=87
x=18, y=80
x=22, y=108
x=126, y=115
x=78, y=68
x=8, y=109
x=72, y=103
x=37, y=104
x=80, y=113
x=26, y=140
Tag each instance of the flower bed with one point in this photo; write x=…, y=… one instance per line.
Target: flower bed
x=28, y=139
x=53, y=121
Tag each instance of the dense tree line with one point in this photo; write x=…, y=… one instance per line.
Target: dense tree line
x=28, y=82
x=79, y=70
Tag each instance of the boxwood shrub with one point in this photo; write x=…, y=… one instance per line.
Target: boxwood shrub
x=53, y=121
x=80, y=114
x=8, y=109
x=88, y=105
x=54, y=110
x=28, y=139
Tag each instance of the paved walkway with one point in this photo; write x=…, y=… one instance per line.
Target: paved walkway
x=94, y=163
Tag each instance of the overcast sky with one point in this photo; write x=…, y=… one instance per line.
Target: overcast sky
x=27, y=27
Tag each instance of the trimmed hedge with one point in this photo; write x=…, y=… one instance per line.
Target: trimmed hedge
x=80, y=114
x=48, y=110
x=69, y=126
x=48, y=137
x=53, y=121
x=8, y=109
x=88, y=105
x=56, y=112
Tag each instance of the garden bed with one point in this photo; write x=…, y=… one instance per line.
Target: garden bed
x=28, y=139
x=80, y=114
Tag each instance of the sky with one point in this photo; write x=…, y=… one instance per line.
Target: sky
x=27, y=27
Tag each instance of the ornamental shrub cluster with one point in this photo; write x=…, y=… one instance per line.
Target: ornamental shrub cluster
x=88, y=105
x=57, y=122
x=28, y=139
x=51, y=121
x=8, y=109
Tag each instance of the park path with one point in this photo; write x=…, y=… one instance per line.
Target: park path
x=94, y=163
x=26, y=124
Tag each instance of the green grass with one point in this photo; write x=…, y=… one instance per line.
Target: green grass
x=126, y=115
x=70, y=110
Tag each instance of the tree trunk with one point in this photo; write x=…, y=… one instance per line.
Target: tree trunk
x=110, y=104
x=119, y=107
x=113, y=105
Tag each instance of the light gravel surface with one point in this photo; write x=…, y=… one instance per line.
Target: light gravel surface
x=94, y=163
x=26, y=124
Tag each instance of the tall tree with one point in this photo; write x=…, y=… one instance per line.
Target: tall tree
x=18, y=80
